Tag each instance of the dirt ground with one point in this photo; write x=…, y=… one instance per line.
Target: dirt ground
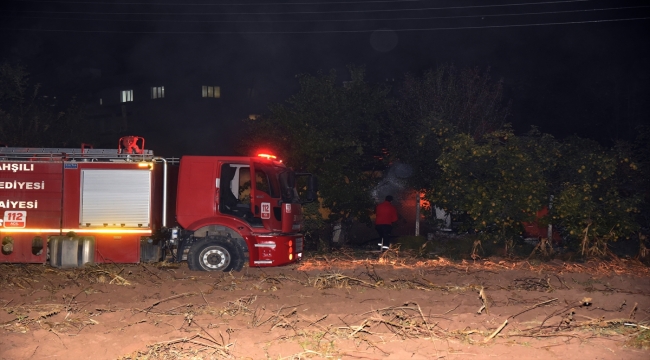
x=341, y=306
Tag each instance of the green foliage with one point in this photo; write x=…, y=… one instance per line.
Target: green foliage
x=635, y=173
x=448, y=125
x=313, y=225
x=544, y=151
x=495, y=181
x=641, y=340
x=419, y=144
x=336, y=131
x=503, y=180
x=591, y=205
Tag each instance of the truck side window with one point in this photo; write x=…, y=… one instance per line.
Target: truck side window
x=271, y=185
x=262, y=181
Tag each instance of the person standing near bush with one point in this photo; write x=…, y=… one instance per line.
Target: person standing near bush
x=386, y=215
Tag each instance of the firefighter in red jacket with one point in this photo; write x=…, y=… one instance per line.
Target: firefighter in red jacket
x=386, y=215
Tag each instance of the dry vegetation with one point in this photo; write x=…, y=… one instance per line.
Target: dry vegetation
x=215, y=316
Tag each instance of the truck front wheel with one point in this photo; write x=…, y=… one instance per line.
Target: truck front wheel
x=215, y=254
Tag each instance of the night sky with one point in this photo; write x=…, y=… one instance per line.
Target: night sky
x=570, y=67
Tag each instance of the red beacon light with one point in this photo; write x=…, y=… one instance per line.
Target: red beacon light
x=268, y=156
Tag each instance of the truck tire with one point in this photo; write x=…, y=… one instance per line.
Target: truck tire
x=215, y=254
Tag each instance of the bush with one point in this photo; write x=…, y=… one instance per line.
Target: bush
x=591, y=204
x=495, y=181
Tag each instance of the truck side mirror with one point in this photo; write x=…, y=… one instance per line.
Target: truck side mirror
x=288, y=179
x=287, y=184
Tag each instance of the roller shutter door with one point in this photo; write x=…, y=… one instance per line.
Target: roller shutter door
x=115, y=198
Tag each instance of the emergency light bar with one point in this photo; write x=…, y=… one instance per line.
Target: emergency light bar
x=267, y=156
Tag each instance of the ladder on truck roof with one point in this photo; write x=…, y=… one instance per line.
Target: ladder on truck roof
x=71, y=154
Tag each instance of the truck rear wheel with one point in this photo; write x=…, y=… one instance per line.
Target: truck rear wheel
x=215, y=254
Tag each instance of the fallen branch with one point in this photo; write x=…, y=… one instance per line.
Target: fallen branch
x=222, y=348
x=496, y=332
x=481, y=295
x=167, y=299
x=150, y=272
x=450, y=310
x=532, y=307
x=633, y=311
x=480, y=310
x=359, y=328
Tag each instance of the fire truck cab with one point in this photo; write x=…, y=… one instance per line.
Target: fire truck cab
x=233, y=209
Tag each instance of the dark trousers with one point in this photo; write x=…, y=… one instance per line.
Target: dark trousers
x=384, y=233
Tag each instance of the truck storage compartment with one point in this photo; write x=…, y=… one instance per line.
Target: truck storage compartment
x=71, y=252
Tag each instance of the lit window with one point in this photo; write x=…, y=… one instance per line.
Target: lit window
x=157, y=92
x=211, y=91
x=127, y=95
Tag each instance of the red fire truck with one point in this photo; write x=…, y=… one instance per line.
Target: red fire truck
x=85, y=205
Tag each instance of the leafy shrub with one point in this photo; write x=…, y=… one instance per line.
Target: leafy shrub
x=495, y=181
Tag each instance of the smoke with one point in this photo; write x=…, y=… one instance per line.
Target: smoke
x=393, y=183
